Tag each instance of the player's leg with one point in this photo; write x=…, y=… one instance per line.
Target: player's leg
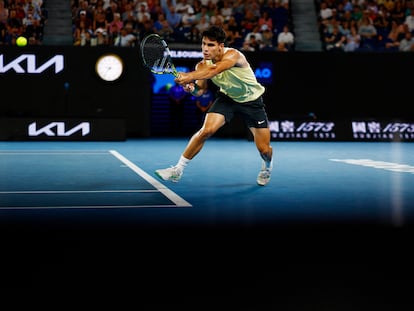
x=219, y=113
x=262, y=141
x=256, y=119
x=212, y=122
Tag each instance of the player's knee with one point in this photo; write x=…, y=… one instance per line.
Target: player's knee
x=206, y=132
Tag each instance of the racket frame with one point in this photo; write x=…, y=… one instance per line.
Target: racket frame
x=165, y=63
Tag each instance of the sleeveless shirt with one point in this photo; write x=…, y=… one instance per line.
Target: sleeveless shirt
x=240, y=84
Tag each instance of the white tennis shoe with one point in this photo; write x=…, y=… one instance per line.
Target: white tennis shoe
x=170, y=173
x=264, y=175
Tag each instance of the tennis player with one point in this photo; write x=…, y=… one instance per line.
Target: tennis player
x=239, y=93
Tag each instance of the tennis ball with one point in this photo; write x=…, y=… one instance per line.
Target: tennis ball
x=21, y=41
x=168, y=86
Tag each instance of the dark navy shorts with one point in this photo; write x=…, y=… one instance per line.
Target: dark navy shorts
x=252, y=112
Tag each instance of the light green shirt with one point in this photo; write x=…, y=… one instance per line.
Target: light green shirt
x=240, y=84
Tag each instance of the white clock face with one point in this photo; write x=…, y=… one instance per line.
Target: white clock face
x=109, y=67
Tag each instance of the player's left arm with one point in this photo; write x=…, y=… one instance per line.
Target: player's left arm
x=205, y=71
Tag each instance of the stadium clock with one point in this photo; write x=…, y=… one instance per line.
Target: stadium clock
x=109, y=67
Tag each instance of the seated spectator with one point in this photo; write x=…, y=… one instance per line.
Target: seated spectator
x=234, y=38
x=203, y=23
x=392, y=41
x=251, y=44
x=116, y=24
x=266, y=20
x=409, y=21
x=335, y=41
x=163, y=28
x=99, y=20
x=101, y=37
x=281, y=47
x=227, y=10
x=267, y=38
x=125, y=39
x=368, y=33
x=353, y=40
x=287, y=38
x=256, y=32
x=324, y=15
x=398, y=13
x=247, y=47
x=407, y=43
x=248, y=23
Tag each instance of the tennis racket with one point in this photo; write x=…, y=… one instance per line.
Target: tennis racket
x=157, y=56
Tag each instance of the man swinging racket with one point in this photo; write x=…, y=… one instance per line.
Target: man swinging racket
x=239, y=93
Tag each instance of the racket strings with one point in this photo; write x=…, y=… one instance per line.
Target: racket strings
x=155, y=55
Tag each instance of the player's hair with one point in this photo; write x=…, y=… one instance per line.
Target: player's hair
x=215, y=33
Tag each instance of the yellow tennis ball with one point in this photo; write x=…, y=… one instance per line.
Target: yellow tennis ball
x=21, y=41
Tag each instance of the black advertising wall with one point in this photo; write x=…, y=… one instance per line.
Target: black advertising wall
x=335, y=96
x=310, y=95
x=59, y=84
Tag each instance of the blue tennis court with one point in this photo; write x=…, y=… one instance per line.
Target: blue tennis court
x=312, y=182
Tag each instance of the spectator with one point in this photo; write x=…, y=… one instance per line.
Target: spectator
x=286, y=38
x=407, y=43
x=163, y=28
x=173, y=18
x=203, y=23
x=143, y=13
x=256, y=32
x=267, y=39
x=115, y=26
x=99, y=21
x=125, y=39
x=252, y=43
x=409, y=21
x=334, y=42
x=398, y=13
x=32, y=23
x=353, y=39
x=266, y=20
x=368, y=33
x=392, y=42
x=227, y=10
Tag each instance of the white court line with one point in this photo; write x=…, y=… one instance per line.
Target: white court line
x=52, y=153
x=389, y=166
x=75, y=191
x=83, y=206
x=180, y=202
x=397, y=210
x=177, y=200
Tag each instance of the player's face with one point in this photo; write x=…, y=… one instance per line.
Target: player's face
x=211, y=49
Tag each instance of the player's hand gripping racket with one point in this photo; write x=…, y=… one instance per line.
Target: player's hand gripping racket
x=156, y=55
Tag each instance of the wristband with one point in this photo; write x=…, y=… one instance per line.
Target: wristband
x=195, y=91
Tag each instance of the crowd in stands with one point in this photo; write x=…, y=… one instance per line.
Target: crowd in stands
x=22, y=18
x=250, y=25
x=366, y=25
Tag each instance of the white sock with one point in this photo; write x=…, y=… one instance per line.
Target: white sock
x=182, y=163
